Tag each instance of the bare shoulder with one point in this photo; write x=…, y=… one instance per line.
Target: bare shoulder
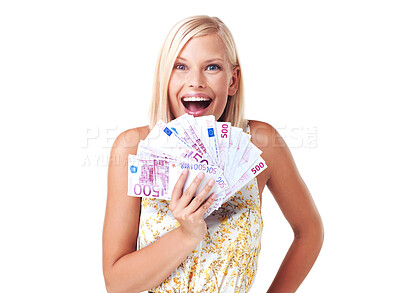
x=266, y=137
x=121, y=221
x=129, y=139
x=262, y=133
x=275, y=151
x=284, y=180
x=125, y=144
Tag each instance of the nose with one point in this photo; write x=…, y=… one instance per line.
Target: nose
x=196, y=79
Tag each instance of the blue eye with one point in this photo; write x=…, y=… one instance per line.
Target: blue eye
x=213, y=67
x=180, y=66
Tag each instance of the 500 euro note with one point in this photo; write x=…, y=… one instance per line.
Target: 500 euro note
x=258, y=166
x=224, y=133
x=221, y=151
x=156, y=177
x=186, y=149
x=208, y=131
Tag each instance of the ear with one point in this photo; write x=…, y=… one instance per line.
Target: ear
x=234, y=82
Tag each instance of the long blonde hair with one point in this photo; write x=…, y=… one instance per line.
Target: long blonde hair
x=177, y=38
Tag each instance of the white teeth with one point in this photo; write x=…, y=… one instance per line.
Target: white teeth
x=195, y=99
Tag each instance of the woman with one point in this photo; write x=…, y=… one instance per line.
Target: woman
x=198, y=72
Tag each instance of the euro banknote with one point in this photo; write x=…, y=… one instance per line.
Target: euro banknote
x=155, y=176
x=199, y=144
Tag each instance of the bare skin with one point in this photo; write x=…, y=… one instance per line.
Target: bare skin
x=127, y=269
x=294, y=199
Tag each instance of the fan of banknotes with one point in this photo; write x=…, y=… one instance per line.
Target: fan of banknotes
x=199, y=144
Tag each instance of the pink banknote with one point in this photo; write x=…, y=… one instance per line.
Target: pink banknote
x=199, y=144
x=155, y=176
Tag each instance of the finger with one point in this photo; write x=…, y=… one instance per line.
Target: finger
x=199, y=199
x=187, y=196
x=205, y=206
x=178, y=188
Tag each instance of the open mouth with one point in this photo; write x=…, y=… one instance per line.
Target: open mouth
x=196, y=104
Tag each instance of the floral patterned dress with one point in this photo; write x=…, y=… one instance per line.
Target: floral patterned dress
x=226, y=259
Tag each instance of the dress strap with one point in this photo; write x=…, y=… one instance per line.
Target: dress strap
x=246, y=126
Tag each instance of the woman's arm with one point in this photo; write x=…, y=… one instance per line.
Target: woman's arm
x=296, y=203
x=124, y=268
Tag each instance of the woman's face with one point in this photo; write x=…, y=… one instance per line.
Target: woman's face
x=202, y=78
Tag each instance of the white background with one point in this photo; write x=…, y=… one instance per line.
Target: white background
x=74, y=74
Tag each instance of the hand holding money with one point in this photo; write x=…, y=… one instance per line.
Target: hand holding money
x=200, y=145
x=189, y=209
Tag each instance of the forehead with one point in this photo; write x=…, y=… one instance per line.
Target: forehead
x=208, y=46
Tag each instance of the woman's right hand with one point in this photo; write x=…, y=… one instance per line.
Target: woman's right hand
x=189, y=211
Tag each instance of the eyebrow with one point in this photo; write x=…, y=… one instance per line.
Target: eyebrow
x=206, y=61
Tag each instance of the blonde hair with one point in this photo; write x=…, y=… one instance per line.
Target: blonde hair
x=177, y=38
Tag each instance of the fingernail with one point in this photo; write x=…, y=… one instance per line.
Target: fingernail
x=200, y=175
x=211, y=182
x=184, y=172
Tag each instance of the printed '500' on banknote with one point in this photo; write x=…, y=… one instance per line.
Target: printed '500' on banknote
x=156, y=177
